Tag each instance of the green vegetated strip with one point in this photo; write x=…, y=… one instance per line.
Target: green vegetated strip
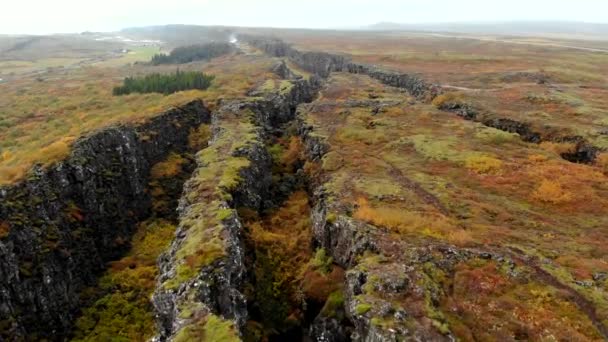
x=122, y=310
x=209, y=189
x=165, y=84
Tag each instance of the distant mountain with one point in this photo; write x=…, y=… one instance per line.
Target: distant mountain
x=519, y=28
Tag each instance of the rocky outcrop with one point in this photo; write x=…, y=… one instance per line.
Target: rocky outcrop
x=323, y=64
x=65, y=222
x=319, y=63
x=413, y=84
x=508, y=125
x=217, y=288
x=584, y=152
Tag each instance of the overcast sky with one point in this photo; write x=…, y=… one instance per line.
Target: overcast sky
x=51, y=16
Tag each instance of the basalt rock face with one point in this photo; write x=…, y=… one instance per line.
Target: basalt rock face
x=67, y=221
x=319, y=63
x=512, y=126
x=413, y=84
x=584, y=152
x=219, y=287
x=279, y=108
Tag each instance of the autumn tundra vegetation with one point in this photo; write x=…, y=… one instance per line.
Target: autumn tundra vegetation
x=307, y=195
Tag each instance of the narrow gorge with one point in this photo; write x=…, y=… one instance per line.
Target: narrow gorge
x=63, y=224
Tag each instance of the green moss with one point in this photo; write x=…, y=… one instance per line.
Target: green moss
x=371, y=283
x=322, y=261
x=276, y=151
x=213, y=329
x=334, y=305
x=443, y=328
x=285, y=87
x=370, y=259
x=331, y=218
x=268, y=86
x=223, y=214
x=231, y=176
x=494, y=136
x=272, y=86
x=123, y=312
x=359, y=133
x=377, y=187
x=271, y=293
x=362, y=309
x=195, y=256
x=332, y=161
x=435, y=148
x=210, y=189
x=199, y=137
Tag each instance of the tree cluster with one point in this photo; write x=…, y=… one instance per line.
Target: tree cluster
x=187, y=54
x=166, y=84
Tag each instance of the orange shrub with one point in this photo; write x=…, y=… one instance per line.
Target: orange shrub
x=168, y=168
x=602, y=162
x=4, y=229
x=11, y=174
x=293, y=152
x=557, y=148
x=447, y=98
x=460, y=237
x=551, y=191
x=57, y=150
x=402, y=220
x=537, y=158
x=483, y=164
x=199, y=137
x=6, y=155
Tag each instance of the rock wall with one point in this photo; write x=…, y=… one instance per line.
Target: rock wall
x=65, y=222
x=323, y=64
x=413, y=84
x=583, y=152
x=218, y=288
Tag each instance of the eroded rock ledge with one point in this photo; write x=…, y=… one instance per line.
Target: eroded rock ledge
x=65, y=222
x=203, y=273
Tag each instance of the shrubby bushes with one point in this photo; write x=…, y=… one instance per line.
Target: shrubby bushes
x=166, y=84
x=187, y=54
